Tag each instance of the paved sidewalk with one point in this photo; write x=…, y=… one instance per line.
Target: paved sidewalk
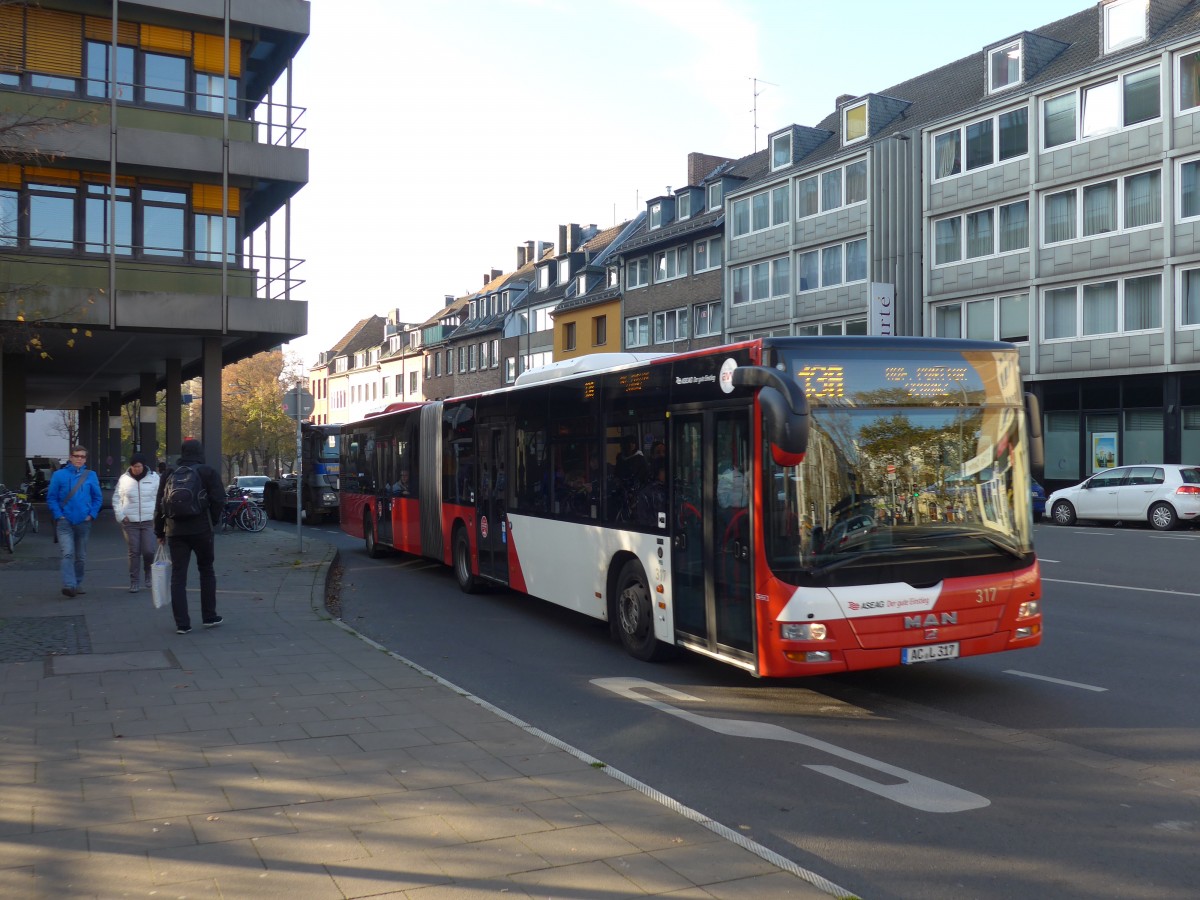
x=282, y=755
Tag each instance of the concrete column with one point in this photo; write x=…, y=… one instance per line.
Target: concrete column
x=146, y=438
x=210, y=425
x=99, y=454
x=12, y=419
x=112, y=456
x=174, y=388
x=87, y=428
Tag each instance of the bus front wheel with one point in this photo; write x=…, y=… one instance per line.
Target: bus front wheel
x=467, y=582
x=635, y=614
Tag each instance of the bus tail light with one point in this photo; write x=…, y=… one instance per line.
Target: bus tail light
x=808, y=631
x=1029, y=608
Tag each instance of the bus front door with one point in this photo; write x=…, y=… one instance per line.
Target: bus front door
x=711, y=559
x=491, y=529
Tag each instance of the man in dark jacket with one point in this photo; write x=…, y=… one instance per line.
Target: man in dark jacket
x=185, y=534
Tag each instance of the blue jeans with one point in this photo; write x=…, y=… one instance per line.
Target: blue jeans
x=72, y=541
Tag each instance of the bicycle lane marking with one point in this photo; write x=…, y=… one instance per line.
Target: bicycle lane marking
x=915, y=791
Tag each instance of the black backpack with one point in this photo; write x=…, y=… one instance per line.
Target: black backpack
x=184, y=496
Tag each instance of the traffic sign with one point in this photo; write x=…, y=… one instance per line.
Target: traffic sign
x=289, y=404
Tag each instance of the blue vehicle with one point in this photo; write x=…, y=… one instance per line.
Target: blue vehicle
x=1038, y=496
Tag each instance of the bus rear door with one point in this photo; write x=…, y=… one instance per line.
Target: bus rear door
x=712, y=519
x=491, y=505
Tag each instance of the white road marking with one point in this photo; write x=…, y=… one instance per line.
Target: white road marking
x=1124, y=587
x=1043, y=559
x=915, y=791
x=1075, y=684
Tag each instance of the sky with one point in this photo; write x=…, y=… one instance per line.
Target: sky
x=443, y=134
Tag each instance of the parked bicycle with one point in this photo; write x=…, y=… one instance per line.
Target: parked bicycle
x=18, y=516
x=242, y=513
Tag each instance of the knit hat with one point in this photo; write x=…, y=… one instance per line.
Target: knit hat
x=138, y=458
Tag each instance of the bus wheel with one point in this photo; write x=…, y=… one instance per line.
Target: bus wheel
x=467, y=582
x=635, y=616
x=373, y=549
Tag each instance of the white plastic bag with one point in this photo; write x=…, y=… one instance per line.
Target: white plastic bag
x=160, y=578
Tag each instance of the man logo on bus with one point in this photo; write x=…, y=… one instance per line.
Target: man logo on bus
x=726, y=379
x=946, y=618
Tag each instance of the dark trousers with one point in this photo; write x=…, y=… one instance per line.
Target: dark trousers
x=182, y=547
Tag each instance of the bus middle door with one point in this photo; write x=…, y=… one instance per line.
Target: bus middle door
x=491, y=505
x=711, y=559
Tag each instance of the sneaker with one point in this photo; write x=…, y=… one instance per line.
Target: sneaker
x=215, y=622
x=80, y=590
x=133, y=587
x=184, y=629
x=69, y=592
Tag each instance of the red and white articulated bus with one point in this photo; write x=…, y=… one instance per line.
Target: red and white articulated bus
x=792, y=506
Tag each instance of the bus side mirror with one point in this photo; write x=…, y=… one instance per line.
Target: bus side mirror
x=1037, y=445
x=785, y=409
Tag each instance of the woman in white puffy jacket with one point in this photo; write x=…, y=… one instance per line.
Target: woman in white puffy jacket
x=133, y=508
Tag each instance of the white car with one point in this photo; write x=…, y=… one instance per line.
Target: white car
x=1163, y=495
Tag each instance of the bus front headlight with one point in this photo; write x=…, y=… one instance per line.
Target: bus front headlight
x=807, y=631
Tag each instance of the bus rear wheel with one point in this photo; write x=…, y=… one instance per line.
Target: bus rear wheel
x=467, y=582
x=635, y=615
x=373, y=549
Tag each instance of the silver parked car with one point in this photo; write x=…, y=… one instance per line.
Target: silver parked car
x=1163, y=495
x=249, y=484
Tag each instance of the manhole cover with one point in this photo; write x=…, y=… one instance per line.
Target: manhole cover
x=24, y=638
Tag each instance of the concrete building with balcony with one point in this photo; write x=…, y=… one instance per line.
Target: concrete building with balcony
x=147, y=162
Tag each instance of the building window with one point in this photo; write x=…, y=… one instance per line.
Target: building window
x=1121, y=102
x=1004, y=67
x=671, y=325
x=715, y=196
x=854, y=123
x=1120, y=204
x=761, y=281
x=708, y=254
x=165, y=79
x=568, y=335
x=1189, y=189
x=1189, y=81
x=1189, y=298
x=510, y=369
x=494, y=355
x=656, y=217
x=683, y=206
x=1103, y=308
x=999, y=319
x=637, y=273
x=637, y=332
x=987, y=142
x=984, y=232
x=833, y=189
x=1124, y=24
x=564, y=270
x=781, y=151
x=99, y=63
x=834, y=328
x=670, y=264
x=599, y=331
x=765, y=209
x=543, y=276
x=412, y=383
x=707, y=317
x=831, y=266
x=383, y=388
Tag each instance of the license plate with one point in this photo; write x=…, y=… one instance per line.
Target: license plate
x=930, y=653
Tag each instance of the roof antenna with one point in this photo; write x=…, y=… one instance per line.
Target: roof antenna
x=754, y=109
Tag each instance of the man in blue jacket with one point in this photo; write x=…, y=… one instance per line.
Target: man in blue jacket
x=74, y=501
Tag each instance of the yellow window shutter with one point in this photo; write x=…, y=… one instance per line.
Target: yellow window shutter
x=12, y=39
x=51, y=176
x=98, y=29
x=166, y=40
x=104, y=178
x=10, y=175
x=207, y=198
x=208, y=55
x=53, y=42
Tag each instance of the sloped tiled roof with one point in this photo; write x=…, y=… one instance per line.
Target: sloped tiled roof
x=366, y=333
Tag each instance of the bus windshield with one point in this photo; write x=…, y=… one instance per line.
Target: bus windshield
x=910, y=475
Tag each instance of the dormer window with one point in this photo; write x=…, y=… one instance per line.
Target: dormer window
x=1004, y=67
x=474, y=310
x=543, y=278
x=781, y=151
x=854, y=122
x=614, y=276
x=683, y=206
x=1124, y=24
x=581, y=284
x=715, y=195
x=564, y=271
x=655, y=216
